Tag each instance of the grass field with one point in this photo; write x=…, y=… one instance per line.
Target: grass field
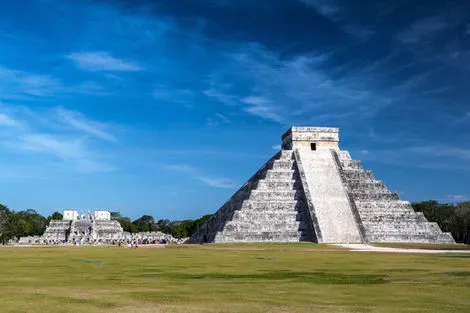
x=213, y=278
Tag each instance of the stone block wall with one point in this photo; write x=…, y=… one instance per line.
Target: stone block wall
x=384, y=216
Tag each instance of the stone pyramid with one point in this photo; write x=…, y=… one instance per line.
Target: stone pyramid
x=313, y=191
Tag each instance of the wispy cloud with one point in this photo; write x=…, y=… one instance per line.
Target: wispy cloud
x=221, y=96
x=54, y=138
x=442, y=151
x=423, y=29
x=336, y=12
x=16, y=84
x=219, y=119
x=61, y=147
x=328, y=8
x=433, y=157
x=216, y=182
x=81, y=123
x=172, y=95
x=260, y=106
x=102, y=62
x=6, y=120
x=288, y=89
x=196, y=174
x=223, y=118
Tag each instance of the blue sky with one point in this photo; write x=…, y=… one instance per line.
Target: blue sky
x=167, y=107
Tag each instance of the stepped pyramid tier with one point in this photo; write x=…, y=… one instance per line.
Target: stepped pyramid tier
x=80, y=228
x=97, y=228
x=313, y=191
x=57, y=231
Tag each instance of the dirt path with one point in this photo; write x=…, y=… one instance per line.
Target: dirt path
x=369, y=248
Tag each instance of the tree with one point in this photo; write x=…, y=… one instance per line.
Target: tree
x=56, y=216
x=116, y=216
x=442, y=214
x=145, y=223
x=179, y=230
x=163, y=225
x=127, y=225
x=462, y=213
x=27, y=223
x=5, y=229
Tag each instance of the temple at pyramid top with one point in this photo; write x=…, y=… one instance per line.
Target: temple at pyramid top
x=312, y=138
x=313, y=191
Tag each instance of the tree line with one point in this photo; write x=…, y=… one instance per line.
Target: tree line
x=453, y=218
x=146, y=223
x=14, y=225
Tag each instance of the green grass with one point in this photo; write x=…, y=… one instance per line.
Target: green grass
x=213, y=278
x=426, y=246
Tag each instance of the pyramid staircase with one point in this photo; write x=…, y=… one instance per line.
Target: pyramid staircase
x=269, y=207
x=384, y=216
x=318, y=195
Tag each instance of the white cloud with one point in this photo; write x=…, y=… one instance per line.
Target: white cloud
x=102, y=62
x=433, y=157
x=277, y=147
x=63, y=148
x=260, y=101
x=19, y=84
x=297, y=89
x=332, y=10
x=81, y=123
x=325, y=7
x=442, y=151
x=217, y=120
x=220, y=96
x=167, y=94
x=196, y=174
x=223, y=118
x=267, y=112
x=54, y=140
x=6, y=120
x=181, y=168
x=216, y=182
x=423, y=29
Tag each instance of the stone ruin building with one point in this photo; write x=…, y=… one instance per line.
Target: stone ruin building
x=83, y=228
x=313, y=191
x=91, y=228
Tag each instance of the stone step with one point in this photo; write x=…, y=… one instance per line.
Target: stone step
x=367, y=214
x=264, y=206
x=384, y=205
x=358, y=174
x=291, y=236
x=273, y=195
x=286, y=155
x=387, y=216
x=351, y=164
x=434, y=238
x=277, y=184
x=390, y=213
x=361, y=185
x=267, y=214
x=375, y=195
x=392, y=221
x=283, y=165
x=401, y=227
x=343, y=155
x=278, y=226
x=279, y=175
